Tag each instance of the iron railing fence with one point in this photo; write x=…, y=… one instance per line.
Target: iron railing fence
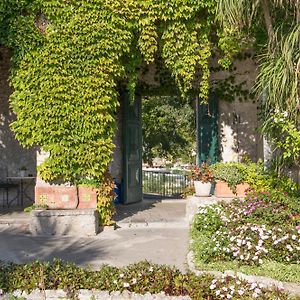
x=164, y=183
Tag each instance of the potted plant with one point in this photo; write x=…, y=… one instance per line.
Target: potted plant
x=23, y=171
x=230, y=179
x=203, y=178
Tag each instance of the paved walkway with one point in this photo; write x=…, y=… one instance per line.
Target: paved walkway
x=152, y=230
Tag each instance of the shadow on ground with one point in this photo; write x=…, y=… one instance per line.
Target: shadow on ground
x=151, y=209
x=21, y=248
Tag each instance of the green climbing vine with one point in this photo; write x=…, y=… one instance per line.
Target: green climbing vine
x=71, y=57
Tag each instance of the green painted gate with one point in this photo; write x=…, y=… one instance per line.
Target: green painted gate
x=132, y=150
x=207, y=131
x=207, y=142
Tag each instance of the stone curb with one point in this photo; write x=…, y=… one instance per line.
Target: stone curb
x=193, y=205
x=91, y=295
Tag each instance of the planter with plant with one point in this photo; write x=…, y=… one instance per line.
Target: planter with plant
x=22, y=171
x=203, y=178
x=230, y=179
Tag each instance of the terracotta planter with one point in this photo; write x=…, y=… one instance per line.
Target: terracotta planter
x=202, y=189
x=65, y=197
x=87, y=197
x=222, y=190
x=56, y=197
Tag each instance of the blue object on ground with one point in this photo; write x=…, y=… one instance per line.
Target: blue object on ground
x=117, y=191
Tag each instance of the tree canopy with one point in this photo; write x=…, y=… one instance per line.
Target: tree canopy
x=168, y=129
x=278, y=50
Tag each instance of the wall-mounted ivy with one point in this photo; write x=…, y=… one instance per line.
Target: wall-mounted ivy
x=70, y=56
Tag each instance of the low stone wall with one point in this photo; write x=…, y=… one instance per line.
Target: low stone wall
x=89, y=295
x=194, y=202
x=79, y=222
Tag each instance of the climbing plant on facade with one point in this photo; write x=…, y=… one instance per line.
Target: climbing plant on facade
x=278, y=46
x=70, y=59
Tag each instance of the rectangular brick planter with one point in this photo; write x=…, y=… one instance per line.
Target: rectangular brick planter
x=87, y=197
x=65, y=197
x=222, y=190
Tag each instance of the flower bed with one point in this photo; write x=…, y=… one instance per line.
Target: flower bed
x=258, y=235
x=140, y=278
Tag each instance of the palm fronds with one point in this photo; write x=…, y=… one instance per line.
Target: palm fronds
x=279, y=73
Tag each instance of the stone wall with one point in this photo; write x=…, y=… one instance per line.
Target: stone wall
x=238, y=120
x=12, y=155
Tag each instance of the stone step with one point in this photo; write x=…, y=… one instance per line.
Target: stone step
x=15, y=222
x=16, y=228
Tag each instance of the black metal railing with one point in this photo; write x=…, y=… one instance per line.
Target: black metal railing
x=164, y=183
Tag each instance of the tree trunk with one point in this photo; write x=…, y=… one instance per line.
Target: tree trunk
x=268, y=19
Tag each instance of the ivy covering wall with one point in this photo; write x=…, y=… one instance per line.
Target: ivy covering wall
x=71, y=57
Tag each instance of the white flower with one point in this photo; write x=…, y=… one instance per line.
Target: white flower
x=253, y=285
x=218, y=292
x=121, y=275
x=126, y=284
x=115, y=282
x=294, y=237
x=241, y=292
x=254, y=295
x=212, y=286
x=228, y=296
x=257, y=291
x=151, y=269
x=134, y=281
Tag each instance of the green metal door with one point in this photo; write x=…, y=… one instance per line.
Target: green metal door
x=207, y=131
x=132, y=150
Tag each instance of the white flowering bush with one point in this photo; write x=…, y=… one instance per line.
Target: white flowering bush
x=209, y=218
x=230, y=287
x=262, y=227
x=140, y=278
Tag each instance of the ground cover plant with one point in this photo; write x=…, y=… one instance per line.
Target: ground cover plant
x=140, y=278
x=257, y=235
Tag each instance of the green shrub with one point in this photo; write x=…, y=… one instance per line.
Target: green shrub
x=265, y=226
x=268, y=180
x=208, y=220
x=140, y=278
x=105, y=198
x=232, y=173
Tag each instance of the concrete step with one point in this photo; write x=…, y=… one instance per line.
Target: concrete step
x=14, y=223
x=15, y=228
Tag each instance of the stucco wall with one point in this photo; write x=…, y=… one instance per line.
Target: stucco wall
x=12, y=155
x=238, y=122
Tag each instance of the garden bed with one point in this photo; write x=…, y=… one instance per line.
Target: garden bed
x=258, y=235
x=139, y=281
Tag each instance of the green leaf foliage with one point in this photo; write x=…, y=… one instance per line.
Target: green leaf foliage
x=168, y=128
x=70, y=59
